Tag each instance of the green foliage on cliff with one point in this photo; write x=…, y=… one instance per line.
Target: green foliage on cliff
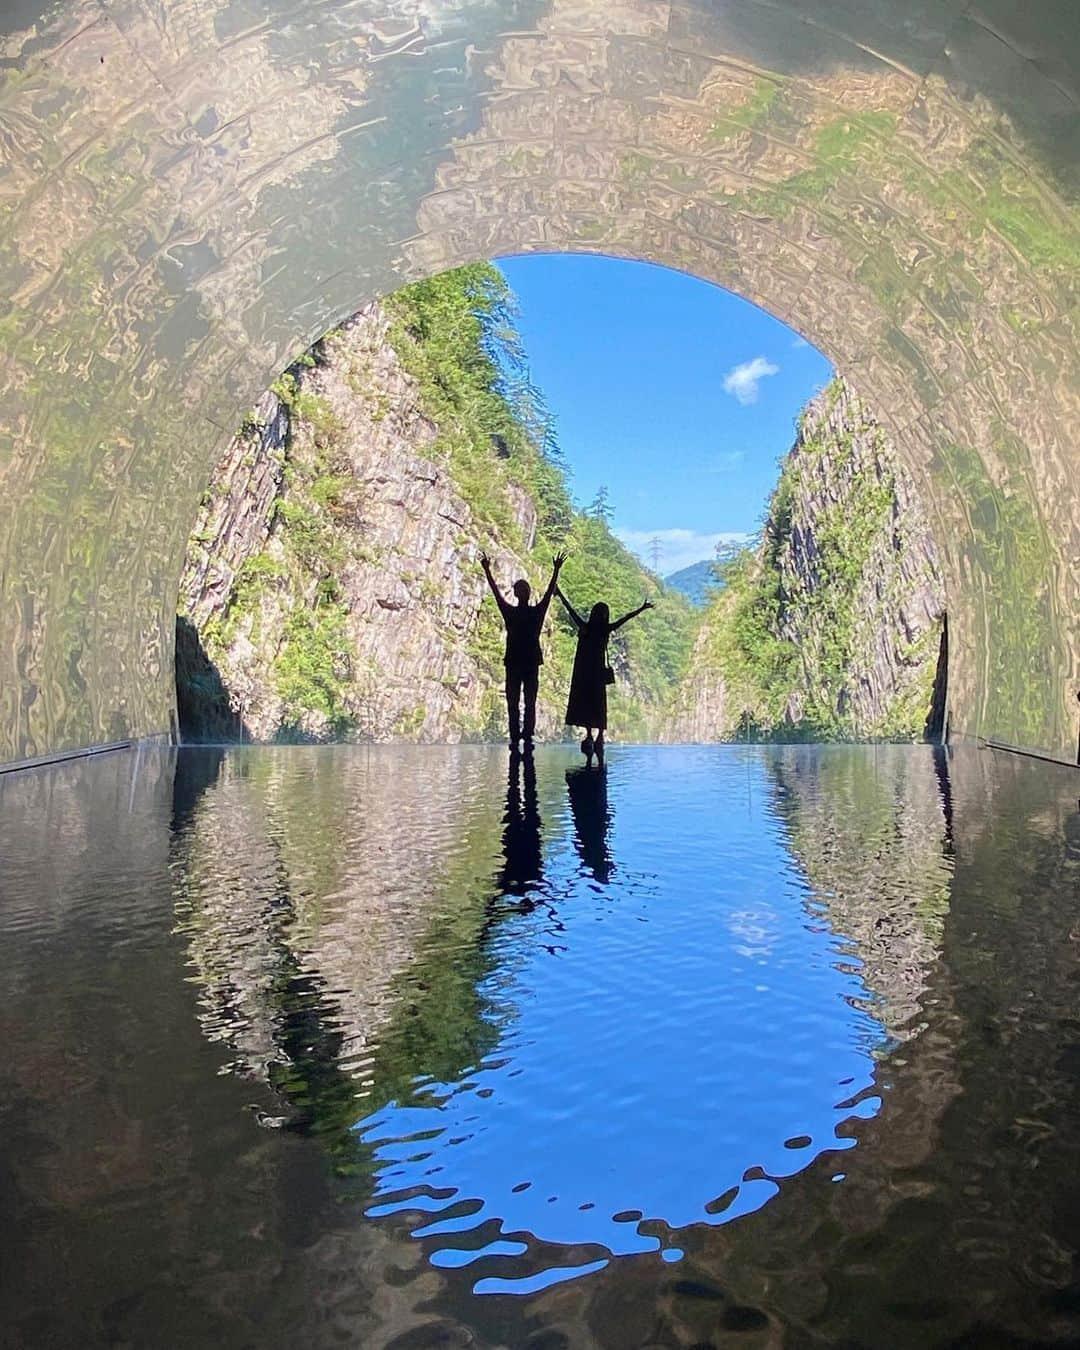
x=742, y=641
x=455, y=334
x=749, y=633
x=313, y=666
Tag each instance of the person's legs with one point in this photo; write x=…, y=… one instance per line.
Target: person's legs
x=513, y=706
x=530, y=686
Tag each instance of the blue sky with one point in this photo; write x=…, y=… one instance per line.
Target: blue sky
x=677, y=395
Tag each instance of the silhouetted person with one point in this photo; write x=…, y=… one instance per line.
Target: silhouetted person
x=524, y=656
x=587, y=788
x=523, y=864
x=587, y=705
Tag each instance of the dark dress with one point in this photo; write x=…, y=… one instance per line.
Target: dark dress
x=587, y=704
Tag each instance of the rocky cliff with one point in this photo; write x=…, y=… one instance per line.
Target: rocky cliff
x=831, y=627
x=700, y=705
x=342, y=596
x=332, y=589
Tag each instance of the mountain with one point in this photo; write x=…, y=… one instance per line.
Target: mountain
x=696, y=582
x=833, y=625
x=332, y=587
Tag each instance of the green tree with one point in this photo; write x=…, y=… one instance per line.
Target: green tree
x=600, y=507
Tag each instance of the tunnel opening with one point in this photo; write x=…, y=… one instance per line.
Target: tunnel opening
x=332, y=588
x=902, y=185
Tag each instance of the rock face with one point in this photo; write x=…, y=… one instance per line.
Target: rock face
x=332, y=587
x=700, y=707
x=857, y=547
x=333, y=570
x=832, y=628
x=236, y=512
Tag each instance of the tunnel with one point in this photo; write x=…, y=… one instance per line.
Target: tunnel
x=192, y=192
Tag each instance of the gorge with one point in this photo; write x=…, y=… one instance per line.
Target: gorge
x=333, y=575
x=331, y=588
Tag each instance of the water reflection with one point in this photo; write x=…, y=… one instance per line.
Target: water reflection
x=523, y=864
x=691, y=1038
x=871, y=830
x=505, y=1032
x=799, y=1022
x=587, y=789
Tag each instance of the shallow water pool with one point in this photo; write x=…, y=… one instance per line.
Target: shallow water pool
x=415, y=1047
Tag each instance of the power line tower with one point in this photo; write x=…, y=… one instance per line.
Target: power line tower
x=656, y=552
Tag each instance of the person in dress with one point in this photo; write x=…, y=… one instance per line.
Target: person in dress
x=587, y=705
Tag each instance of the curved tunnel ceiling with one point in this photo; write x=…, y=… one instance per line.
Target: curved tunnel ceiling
x=192, y=190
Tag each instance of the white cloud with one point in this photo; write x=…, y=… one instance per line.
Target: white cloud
x=742, y=381
x=679, y=548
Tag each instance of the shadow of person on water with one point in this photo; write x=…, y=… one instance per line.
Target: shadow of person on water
x=522, y=867
x=587, y=788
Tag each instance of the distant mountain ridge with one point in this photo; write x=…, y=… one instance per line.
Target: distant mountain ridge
x=697, y=582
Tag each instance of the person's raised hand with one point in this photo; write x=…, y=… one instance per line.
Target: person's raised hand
x=558, y=560
x=648, y=604
x=485, y=561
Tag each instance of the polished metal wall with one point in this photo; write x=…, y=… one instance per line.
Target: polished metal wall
x=192, y=190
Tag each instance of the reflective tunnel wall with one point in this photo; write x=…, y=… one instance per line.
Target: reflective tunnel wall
x=192, y=190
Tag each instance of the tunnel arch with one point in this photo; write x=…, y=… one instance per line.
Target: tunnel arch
x=190, y=193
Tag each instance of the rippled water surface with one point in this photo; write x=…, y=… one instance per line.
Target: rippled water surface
x=413, y=1048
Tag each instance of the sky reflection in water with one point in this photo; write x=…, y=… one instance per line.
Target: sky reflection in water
x=217, y=961
x=673, y=1012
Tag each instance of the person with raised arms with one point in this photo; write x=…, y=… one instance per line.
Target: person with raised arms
x=524, y=655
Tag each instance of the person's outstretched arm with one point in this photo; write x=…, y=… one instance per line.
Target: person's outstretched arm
x=648, y=604
x=500, y=599
x=575, y=617
x=556, y=568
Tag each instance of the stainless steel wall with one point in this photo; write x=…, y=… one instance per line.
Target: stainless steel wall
x=191, y=191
